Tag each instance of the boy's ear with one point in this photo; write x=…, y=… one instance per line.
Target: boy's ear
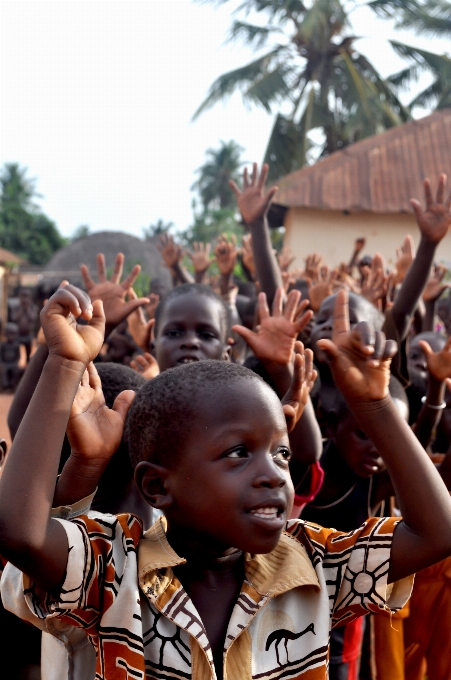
x=226, y=354
x=150, y=479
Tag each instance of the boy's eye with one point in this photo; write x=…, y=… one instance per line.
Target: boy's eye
x=282, y=454
x=173, y=334
x=361, y=435
x=207, y=335
x=238, y=452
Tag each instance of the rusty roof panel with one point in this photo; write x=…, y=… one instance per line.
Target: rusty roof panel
x=378, y=174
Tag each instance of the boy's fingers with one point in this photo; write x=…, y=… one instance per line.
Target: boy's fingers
x=130, y=306
x=425, y=346
x=118, y=266
x=263, y=175
x=366, y=332
x=302, y=306
x=341, y=315
x=427, y=192
x=263, y=309
x=302, y=322
x=245, y=178
x=277, y=303
x=270, y=195
x=390, y=350
x=291, y=304
x=131, y=278
x=329, y=347
x=94, y=378
x=123, y=402
x=441, y=188
x=254, y=173
x=87, y=280
x=101, y=269
x=245, y=333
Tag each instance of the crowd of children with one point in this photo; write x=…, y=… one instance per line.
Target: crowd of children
x=236, y=478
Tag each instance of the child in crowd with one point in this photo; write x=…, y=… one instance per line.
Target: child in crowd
x=210, y=445
x=10, y=357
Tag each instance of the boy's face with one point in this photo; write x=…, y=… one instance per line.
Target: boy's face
x=416, y=358
x=191, y=329
x=323, y=323
x=356, y=449
x=231, y=486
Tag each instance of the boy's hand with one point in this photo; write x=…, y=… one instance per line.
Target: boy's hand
x=140, y=329
x=438, y=363
x=435, y=221
x=252, y=201
x=435, y=287
x=226, y=254
x=171, y=252
x=405, y=256
x=112, y=292
x=67, y=339
x=313, y=265
x=200, y=256
x=375, y=281
x=146, y=365
x=94, y=430
x=359, y=359
x=304, y=376
x=285, y=259
x=324, y=286
x=359, y=244
x=276, y=336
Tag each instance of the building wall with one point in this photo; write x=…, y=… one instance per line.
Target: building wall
x=332, y=234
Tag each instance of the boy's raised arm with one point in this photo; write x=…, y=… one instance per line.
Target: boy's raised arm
x=254, y=204
x=31, y=540
x=360, y=363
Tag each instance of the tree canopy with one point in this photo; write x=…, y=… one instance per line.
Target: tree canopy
x=24, y=230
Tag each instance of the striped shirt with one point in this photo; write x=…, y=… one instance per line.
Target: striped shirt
x=121, y=589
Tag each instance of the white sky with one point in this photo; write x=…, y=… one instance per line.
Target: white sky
x=97, y=98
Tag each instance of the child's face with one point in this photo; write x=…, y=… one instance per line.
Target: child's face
x=323, y=323
x=190, y=329
x=356, y=449
x=231, y=487
x=416, y=358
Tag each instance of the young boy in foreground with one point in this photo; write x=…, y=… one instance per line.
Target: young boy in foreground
x=222, y=587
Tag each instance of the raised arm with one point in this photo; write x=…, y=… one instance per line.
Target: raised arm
x=253, y=202
x=172, y=254
x=360, y=363
x=29, y=538
x=434, y=224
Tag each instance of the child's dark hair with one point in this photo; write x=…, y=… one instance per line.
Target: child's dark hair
x=195, y=289
x=167, y=406
x=119, y=472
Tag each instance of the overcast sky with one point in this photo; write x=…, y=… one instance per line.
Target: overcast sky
x=97, y=99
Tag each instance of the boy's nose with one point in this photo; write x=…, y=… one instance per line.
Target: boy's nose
x=269, y=474
x=190, y=340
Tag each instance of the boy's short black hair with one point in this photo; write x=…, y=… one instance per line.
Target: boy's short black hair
x=195, y=289
x=119, y=472
x=168, y=406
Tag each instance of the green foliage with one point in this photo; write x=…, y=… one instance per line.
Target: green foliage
x=23, y=229
x=80, y=232
x=315, y=70
x=153, y=230
x=209, y=224
x=222, y=165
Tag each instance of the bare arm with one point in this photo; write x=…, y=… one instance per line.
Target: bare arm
x=25, y=389
x=38, y=545
x=360, y=363
x=254, y=205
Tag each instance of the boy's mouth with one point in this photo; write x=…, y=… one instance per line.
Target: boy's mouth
x=269, y=516
x=187, y=360
x=266, y=513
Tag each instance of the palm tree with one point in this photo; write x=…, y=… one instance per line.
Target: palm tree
x=313, y=68
x=221, y=166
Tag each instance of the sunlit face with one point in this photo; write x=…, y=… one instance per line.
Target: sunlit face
x=231, y=486
x=359, y=310
x=191, y=329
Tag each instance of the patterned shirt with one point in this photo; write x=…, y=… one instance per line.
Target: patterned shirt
x=121, y=589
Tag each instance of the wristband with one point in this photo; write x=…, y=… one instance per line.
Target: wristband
x=437, y=407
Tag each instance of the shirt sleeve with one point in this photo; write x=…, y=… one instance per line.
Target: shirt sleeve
x=99, y=548
x=354, y=568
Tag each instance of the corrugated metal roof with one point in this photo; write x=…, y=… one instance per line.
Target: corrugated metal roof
x=378, y=174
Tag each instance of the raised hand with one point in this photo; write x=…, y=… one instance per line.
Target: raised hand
x=94, y=430
x=248, y=255
x=313, y=264
x=434, y=287
x=226, y=254
x=112, y=292
x=253, y=202
x=375, y=281
x=324, y=286
x=359, y=359
x=200, y=256
x=405, y=255
x=304, y=375
x=171, y=252
x=146, y=365
x=438, y=363
x=152, y=306
x=435, y=221
x=64, y=337
x=276, y=335
x=285, y=259
x=140, y=329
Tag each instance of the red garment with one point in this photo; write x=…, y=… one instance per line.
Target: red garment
x=315, y=482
